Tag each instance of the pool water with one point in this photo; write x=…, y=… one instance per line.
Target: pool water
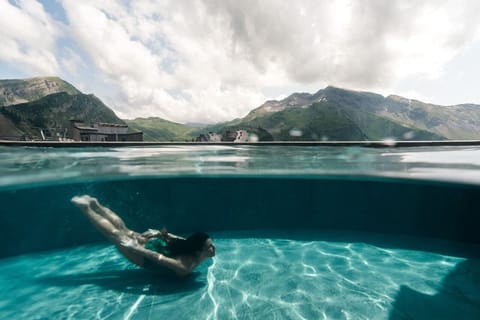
x=301, y=233
x=251, y=278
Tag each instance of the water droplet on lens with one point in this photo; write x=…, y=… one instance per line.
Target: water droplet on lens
x=409, y=135
x=252, y=137
x=296, y=133
x=391, y=142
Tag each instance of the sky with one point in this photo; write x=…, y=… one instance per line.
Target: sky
x=207, y=61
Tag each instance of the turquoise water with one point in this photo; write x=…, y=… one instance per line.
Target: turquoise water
x=25, y=166
x=301, y=232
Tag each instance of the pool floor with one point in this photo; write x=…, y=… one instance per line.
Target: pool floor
x=250, y=278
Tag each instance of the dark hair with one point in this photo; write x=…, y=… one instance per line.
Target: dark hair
x=193, y=244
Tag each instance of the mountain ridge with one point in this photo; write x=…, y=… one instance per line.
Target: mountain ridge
x=15, y=91
x=28, y=105
x=463, y=119
x=331, y=113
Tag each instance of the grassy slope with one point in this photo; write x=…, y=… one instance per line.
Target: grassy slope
x=157, y=129
x=324, y=120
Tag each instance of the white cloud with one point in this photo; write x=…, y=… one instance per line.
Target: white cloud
x=435, y=33
x=171, y=66
x=72, y=62
x=214, y=60
x=28, y=35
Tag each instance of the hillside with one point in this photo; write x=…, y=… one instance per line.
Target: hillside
x=157, y=129
x=56, y=111
x=374, y=114
x=324, y=120
x=26, y=90
x=453, y=122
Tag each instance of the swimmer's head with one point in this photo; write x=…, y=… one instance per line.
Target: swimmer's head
x=202, y=244
x=199, y=243
x=209, y=248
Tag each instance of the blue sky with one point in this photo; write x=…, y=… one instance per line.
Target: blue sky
x=215, y=60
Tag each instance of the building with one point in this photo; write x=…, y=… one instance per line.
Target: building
x=235, y=136
x=209, y=137
x=102, y=132
x=228, y=136
x=242, y=136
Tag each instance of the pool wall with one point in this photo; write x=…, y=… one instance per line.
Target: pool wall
x=42, y=218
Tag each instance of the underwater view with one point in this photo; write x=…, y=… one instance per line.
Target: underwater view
x=300, y=232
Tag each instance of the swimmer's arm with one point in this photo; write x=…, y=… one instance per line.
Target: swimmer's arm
x=166, y=235
x=173, y=264
x=153, y=233
x=171, y=235
x=159, y=259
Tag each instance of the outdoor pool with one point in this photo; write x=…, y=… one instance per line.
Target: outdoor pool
x=301, y=232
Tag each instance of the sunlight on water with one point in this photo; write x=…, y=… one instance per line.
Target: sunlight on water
x=251, y=278
x=467, y=157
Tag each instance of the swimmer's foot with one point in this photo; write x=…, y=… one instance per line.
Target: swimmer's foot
x=82, y=202
x=95, y=204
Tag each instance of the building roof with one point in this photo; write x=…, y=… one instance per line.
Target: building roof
x=104, y=124
x=86, y=128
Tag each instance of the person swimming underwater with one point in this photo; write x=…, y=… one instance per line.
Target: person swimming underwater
x=151, y=249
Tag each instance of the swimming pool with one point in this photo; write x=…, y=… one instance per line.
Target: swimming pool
x=301, y=232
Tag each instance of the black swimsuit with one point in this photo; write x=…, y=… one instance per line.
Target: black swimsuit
x=158, y=245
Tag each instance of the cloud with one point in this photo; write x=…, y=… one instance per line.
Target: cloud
x=28, y=35
x=214, y=60
x=350, y=42
x=171, y=66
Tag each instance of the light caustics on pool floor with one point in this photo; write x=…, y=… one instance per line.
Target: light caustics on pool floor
x=251, y=278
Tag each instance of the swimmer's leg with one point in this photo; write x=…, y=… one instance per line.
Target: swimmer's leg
x=117, y=236
x=107, y=213
x=112, y=217
x=109, y=230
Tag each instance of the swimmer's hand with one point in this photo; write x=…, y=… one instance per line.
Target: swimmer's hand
x=151, y=233
x=129, y=243
x=165, y=235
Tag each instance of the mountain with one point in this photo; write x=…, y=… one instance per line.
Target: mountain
x=339, y=114
x=329, y=114
x=25, y=90
x=56, y=110
x=157, y=129
x=27, y=105
x=454, y=122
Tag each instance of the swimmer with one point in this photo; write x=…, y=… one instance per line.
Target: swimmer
x=153, y=248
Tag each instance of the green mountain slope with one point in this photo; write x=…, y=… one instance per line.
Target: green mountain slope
x=324, y=120
x=56, y=111
x=25, y=90
x=453, y=122
x=157, y=129
x=379, y=117
x=8, y=128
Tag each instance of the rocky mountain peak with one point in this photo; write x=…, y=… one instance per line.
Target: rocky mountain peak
x=26, y=90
